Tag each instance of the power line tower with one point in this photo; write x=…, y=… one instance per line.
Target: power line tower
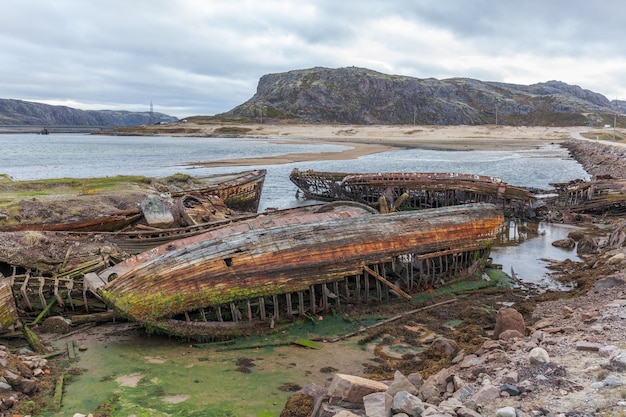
x=151, y=113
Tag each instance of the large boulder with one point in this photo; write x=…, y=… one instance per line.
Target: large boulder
x=509, y=319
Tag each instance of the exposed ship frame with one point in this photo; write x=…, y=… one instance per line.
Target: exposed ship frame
x=394, y=191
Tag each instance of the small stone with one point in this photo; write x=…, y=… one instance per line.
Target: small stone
x=511, y=389
x=538, y=356
x=617, y=360
x=588, y=346
x=486, y=394
x=510, y=334
x=511, y=377
x=401, y=383
x=506, y=412
x=606, y=351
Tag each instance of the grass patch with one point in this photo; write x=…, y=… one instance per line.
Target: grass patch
x=232, y=130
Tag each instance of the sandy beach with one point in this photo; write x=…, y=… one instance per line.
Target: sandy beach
x=365, y=140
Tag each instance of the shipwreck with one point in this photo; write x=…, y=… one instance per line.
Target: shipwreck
x=395, y=191
x=193, y=200
x=243, y=275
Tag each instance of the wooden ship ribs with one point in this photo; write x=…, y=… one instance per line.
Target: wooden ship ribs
x=393, y=191
x=603, y=196
x=240, y=191
x=222, y=281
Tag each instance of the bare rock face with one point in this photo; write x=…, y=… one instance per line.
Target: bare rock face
x=509, y=319
x=362, y=96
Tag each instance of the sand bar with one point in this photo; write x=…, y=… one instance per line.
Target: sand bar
x=366, y=140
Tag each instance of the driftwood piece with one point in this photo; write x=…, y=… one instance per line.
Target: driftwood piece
x=109, y=316
x=44, y=312
x=71, y=353
x=33, y=340
x=389, y=320
x=58, y=394
x=387, y=282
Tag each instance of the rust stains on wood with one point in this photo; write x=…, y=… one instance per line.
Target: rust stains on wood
x=392, y=191
x=240, y=265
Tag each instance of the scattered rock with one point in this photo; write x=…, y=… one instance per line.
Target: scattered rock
x=538, y=356
x=508, y=319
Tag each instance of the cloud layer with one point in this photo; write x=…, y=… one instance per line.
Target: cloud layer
x=191, y=57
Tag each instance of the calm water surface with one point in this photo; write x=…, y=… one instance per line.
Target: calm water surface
x=28, y=156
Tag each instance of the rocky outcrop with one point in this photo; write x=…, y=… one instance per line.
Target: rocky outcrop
x=362, y=96
x=598, y=159
x=18, y=112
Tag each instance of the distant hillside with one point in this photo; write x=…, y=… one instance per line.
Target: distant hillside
x=362, y=96
x=26, y=113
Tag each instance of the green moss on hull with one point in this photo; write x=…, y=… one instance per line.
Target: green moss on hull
x=151, y=305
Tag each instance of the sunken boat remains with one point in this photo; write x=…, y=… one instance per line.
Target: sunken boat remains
x=96, y=209
x=395, y=191
x=241, y=276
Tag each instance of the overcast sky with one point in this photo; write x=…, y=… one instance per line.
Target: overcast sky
x=203, y=57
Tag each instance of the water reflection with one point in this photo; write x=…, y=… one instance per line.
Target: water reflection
x=525, y=247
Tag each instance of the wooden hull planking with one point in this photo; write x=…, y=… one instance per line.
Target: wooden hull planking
x=412, y=190
x=216, y=270
x=110, y=223
x=239, y=191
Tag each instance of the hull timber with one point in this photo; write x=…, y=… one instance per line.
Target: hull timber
x=114, y=221
x=140, y=241
x=8, y=310
x=217, y=276
x=240, y=191
x=604, y=196
x=400, y=191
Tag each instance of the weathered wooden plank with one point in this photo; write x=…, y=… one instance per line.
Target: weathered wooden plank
x=8, y=312
x=386, y=282
x=291, y=258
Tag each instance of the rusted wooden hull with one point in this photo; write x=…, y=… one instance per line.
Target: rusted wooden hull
x=219, y=268
x=400, y=191
x=108, y=223
x=605, y=196
x=240, y=191
x=8, y=311
x=135, y=242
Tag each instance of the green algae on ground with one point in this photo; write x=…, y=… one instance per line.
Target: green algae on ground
x=172, y=377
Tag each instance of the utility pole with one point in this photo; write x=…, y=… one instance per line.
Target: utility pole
x=496, y=113
x=615, y=118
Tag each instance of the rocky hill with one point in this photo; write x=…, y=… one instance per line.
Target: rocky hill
x=362, y=96
x=18, y=112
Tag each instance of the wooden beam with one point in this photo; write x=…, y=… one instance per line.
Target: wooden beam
x=386, y=282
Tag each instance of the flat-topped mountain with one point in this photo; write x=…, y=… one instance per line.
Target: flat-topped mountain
x=362, y=96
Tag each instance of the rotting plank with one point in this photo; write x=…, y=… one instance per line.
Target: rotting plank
x=293, y=258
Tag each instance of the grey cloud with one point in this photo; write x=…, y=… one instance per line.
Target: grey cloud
x=205, y=57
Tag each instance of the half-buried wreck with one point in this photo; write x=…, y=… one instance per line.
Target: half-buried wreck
x=236, y=277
